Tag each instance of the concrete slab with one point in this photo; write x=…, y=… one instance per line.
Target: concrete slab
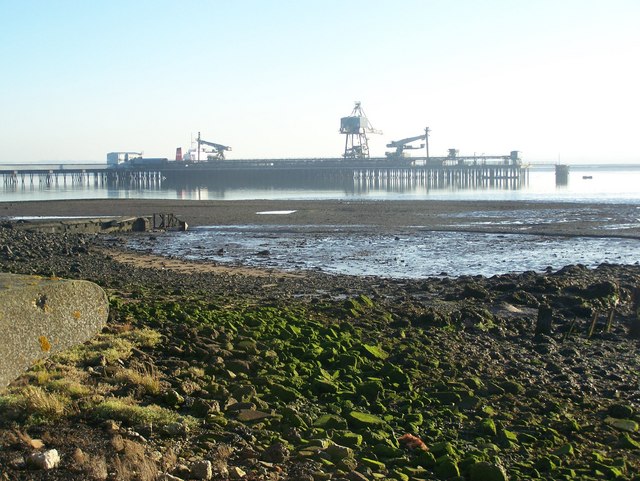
x=41, y=316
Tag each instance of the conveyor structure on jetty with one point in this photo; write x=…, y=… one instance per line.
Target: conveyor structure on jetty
x=435, y=172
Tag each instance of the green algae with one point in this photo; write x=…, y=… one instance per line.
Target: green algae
x=338, y=379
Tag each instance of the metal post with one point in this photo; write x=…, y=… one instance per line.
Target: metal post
x=198, y=146
x=426, y=141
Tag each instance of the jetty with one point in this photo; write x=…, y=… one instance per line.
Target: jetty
x=478, y=171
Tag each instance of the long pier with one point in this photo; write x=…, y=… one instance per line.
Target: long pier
x=439, y=172
x=68, y=174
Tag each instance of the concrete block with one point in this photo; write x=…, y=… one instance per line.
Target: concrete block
x=41, y=316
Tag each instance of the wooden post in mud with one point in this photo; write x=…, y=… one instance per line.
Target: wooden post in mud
x=634, y=331
x=612, y=314
x=545, y=318
x=592, y=326
x=570, y=331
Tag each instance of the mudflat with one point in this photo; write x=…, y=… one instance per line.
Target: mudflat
x=546, y=218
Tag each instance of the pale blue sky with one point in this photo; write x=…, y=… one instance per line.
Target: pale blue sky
x=272, y=78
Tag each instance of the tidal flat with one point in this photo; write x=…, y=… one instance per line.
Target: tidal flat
x=259, y=374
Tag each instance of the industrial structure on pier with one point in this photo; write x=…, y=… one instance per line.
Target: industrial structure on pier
x=355, y=128
x=206, y=160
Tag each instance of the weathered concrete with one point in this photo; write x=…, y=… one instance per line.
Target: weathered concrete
x=41, y=316
x=93, y=225
x=86, y=225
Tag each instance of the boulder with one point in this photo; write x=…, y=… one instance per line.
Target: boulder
x=41, y=316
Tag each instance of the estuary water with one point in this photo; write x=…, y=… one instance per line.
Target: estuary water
x=357, y=250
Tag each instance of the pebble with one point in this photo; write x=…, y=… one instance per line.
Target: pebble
x=202, y=470
x=237, y=473
x=49, y=459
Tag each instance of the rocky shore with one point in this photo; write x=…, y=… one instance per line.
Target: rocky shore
x=221, y=373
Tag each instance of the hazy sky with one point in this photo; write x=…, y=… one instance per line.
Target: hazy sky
x=271, y=78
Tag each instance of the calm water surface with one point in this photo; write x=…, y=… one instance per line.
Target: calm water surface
x=607, y=184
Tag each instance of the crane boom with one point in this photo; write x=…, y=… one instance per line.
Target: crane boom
x=402, y=145
x=214, y=145
x=218, y=149
x=398, y=143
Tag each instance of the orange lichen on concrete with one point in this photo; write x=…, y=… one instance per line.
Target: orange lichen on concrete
x=45, y=345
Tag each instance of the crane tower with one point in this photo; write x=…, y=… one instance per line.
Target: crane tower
x=356, y=127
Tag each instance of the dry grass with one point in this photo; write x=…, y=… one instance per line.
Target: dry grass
x=93, y=467
x=141, y=375
x=196, y=372
x=36, y=404
x=132, y=463
x=49, y=405
x=61, y=385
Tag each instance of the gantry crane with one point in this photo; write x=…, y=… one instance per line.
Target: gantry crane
x=356, y=127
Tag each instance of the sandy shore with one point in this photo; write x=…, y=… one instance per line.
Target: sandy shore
x=182, y=266
x=570, y=219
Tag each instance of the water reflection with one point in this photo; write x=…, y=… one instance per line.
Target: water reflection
x=363, y=182
x=604, y=183
x=562, y=175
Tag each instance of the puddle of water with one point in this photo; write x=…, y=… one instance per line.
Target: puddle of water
x=414, y=255
x=276, y=212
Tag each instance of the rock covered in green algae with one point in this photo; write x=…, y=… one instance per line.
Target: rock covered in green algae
x=330, y=421
x=361, y=419
x=485, y=471
x=622, y=424
x=628, y=442
x=446, y=468
x=488, y=427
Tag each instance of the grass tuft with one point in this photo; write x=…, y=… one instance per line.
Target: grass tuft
x=144, y=376
x=70, y=388
x=147, y=338
x=124, y=410
x=35, y=405
x=45, y=404
x=110, y=347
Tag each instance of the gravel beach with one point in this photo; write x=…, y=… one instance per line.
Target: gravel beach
x=215, y=372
